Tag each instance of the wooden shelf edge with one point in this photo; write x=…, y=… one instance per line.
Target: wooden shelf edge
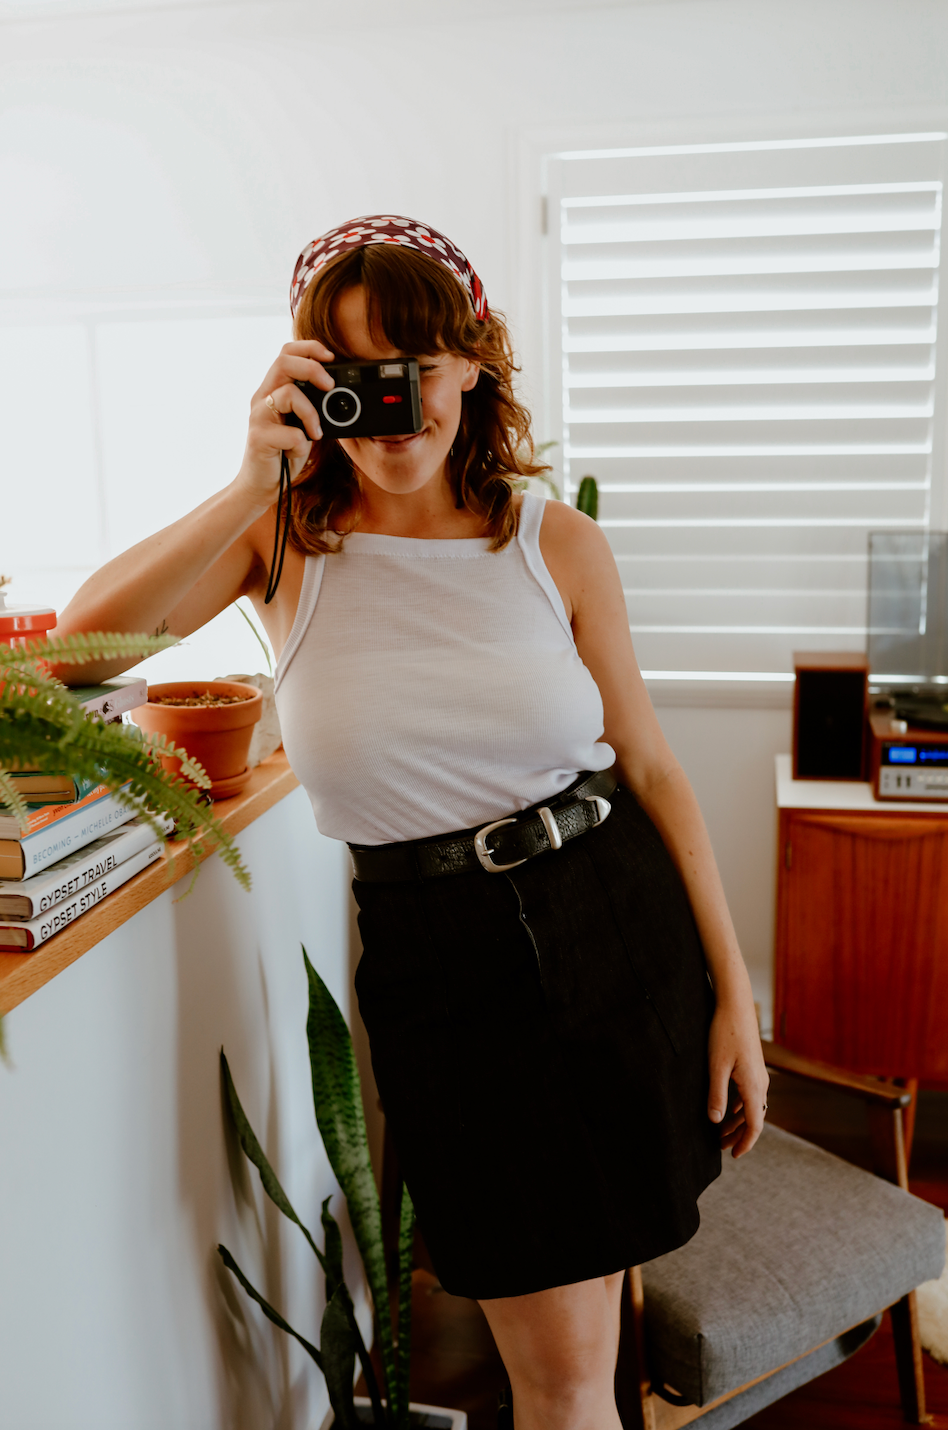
x=23, y=973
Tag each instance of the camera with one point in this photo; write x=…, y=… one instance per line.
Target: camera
x=370, y=399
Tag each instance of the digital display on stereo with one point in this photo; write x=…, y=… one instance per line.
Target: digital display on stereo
x=915, y=754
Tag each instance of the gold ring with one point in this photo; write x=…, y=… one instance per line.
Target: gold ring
x=272, y=405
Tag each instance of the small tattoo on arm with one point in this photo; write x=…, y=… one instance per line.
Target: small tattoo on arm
x=161, y=630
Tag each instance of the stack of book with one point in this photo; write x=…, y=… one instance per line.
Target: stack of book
x=82, y=842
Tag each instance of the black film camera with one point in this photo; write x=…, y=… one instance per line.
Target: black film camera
x=370, y=399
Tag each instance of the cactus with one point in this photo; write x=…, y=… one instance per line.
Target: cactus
x=587, y=498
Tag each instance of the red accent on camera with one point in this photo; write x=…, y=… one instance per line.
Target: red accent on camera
x=391, y=399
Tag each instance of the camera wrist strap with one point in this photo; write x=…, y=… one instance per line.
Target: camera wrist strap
x=279, y=547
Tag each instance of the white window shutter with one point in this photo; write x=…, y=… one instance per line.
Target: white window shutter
x=744, y=352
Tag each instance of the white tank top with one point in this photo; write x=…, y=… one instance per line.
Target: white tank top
x=429, y=686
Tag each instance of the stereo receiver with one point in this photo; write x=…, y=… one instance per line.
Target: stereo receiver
x=907, y=762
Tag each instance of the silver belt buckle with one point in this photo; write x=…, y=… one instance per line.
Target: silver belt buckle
x=484, y=854
x=603, y=810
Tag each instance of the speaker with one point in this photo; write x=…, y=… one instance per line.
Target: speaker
x=830, y=702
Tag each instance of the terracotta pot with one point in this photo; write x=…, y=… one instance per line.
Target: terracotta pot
x=218, y=737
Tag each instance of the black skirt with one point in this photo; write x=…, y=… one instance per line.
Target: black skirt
x=540, y=1044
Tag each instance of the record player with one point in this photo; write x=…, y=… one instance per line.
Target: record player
x=908, y=665
x=909, y=751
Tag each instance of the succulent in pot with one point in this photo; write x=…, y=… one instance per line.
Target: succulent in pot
x=213, y=720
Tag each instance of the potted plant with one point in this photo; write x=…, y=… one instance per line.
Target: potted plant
x=43, y=726
x=213, y=720
x=337, y=1096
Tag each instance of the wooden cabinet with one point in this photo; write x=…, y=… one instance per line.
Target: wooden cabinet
x=861, y=977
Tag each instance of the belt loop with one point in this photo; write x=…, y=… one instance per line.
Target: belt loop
x=552, y=828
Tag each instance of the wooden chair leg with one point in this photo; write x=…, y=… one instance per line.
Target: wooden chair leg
x=908, y=1360
x=908, y=1114
x=887, y=1136
x=633, y=1387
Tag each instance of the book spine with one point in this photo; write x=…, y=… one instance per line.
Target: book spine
x=81, y=786
x=39, y=930
x=49, y=814
x=56, y=886
x=78, y=826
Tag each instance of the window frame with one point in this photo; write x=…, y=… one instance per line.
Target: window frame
x=535, y=261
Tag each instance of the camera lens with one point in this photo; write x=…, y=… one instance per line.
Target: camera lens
x=341, y=407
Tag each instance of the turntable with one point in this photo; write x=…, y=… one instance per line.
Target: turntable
x=908, y=664
x=909, y=751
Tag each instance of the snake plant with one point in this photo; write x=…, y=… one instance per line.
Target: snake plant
x=337, y=1097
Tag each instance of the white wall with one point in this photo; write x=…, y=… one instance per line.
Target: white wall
x=117, y=1182
x=167, y=162
x=728, y=755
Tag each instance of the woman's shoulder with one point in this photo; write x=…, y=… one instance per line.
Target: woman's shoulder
x=565, y=529
x=574, y=550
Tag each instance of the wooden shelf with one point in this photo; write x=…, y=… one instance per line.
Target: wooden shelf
x=23, y=973
x=843, y=795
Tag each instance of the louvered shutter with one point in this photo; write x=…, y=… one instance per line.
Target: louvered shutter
x=744, y=341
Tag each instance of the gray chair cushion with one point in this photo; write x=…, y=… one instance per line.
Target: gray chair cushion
x=761, y=1393
x=795, y=1246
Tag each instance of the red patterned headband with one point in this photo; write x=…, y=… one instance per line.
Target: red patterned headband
x=386, y=228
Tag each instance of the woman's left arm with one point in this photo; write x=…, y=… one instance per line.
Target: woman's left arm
x=582, y=565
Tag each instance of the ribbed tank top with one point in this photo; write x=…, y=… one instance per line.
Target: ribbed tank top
x=429, y=686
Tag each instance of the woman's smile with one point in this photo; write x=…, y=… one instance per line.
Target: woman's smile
x=399, y=443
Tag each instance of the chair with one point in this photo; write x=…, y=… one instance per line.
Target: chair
x=797, y=1256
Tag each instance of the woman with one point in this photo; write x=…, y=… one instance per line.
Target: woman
x=558, y=1075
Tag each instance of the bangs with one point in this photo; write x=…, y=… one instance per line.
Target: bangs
x=414, y=304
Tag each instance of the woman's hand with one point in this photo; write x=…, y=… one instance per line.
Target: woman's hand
x=739, y=1078
x=182, y=576
x=268, y=436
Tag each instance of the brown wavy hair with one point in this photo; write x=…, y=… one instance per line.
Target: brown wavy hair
x=416, y=305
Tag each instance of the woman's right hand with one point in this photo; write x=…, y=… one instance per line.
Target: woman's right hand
x=185, y=574
x=268, y=436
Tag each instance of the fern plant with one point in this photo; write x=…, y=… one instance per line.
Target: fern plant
x=44, y=727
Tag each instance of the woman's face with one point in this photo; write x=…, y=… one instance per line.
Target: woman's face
x=400, y=465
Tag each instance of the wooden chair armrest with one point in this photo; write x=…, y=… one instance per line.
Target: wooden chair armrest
x=875, y=1091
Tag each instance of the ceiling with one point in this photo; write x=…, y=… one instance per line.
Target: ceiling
x=337, y=13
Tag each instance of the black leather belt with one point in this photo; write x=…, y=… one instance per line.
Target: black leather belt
x=498, y=846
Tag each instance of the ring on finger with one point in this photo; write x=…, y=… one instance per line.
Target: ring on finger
x=272, y=405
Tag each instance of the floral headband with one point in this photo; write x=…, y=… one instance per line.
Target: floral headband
x=386, y=228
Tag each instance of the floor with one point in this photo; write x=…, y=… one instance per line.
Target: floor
x=454, y=1361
